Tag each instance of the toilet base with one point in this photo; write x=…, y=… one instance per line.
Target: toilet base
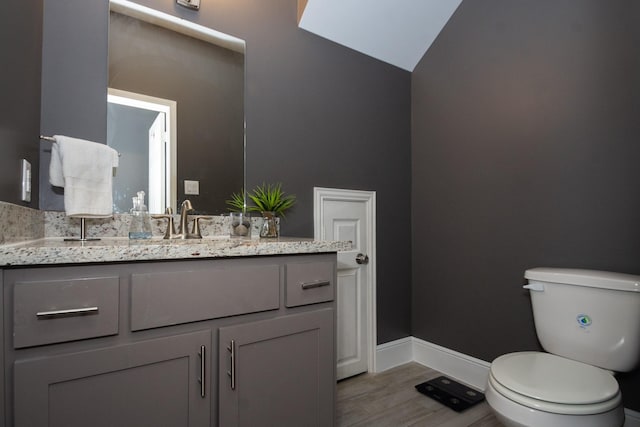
x=512, y=414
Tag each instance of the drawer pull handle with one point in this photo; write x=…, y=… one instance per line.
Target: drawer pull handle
x=316, y=284
x=203, y=367
x=72, y=312
x=232, y=372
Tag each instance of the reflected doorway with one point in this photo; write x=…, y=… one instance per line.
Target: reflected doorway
x=143, y=130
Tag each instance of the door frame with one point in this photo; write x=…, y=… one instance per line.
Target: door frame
x=321, y=194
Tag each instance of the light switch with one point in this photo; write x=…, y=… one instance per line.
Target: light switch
x=191, y=187
x=25, y=194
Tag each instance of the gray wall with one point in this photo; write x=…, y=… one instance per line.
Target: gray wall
x=20, y=59
x=74, y=78
x=317, y=114
x=525, y=149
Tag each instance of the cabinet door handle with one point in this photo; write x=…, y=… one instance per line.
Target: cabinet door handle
x=203, y=370
x=71, y=312
x=316, y=284
x=232, y=372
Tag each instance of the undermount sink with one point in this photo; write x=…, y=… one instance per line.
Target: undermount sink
x=219, y=237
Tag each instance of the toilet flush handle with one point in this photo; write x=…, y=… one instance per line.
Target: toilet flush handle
x=539, y=287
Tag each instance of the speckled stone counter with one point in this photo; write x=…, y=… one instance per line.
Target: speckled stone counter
x=30, y=237
x=18, y=223
x=57, y=251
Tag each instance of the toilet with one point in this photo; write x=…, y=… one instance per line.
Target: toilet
x=588, y=322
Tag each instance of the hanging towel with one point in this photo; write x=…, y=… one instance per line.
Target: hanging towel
x=85, y=170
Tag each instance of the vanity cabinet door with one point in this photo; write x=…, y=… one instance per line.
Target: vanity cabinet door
x=155, y=382
x=278, y=372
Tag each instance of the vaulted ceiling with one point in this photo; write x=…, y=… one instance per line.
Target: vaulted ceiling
x=395, y=31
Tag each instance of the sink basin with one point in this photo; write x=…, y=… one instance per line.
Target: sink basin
x=219, y=237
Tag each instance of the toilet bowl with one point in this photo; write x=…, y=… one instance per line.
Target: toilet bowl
x=539, y=389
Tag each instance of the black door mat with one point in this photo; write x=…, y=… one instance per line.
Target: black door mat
x=450, y=393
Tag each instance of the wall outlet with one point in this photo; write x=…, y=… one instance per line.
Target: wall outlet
x=191, y=188
x=25, y=194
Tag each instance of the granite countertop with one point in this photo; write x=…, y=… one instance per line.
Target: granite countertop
x=51, y=251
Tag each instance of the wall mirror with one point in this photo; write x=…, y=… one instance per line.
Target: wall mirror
x=175, y=110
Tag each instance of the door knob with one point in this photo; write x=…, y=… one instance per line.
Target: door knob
x=362, y=259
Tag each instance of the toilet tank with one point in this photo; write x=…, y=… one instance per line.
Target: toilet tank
x=587, y=315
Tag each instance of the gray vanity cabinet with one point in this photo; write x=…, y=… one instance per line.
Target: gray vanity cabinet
x=278, y=372
x=149, y=383
x=150, y=344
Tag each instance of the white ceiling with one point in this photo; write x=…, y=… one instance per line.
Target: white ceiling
x=395, y=31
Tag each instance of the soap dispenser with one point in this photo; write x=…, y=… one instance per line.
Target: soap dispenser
x=140, y=227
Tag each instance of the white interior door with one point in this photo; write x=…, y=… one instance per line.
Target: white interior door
x=350, y=215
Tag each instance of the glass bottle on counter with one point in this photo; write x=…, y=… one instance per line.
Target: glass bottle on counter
x=140, y=227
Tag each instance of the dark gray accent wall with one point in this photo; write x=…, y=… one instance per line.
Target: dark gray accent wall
x=317, y=114
x=74, y=78
x=525, y=149
x=20, y=59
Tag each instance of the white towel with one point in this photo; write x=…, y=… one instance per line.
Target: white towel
x=85, y=170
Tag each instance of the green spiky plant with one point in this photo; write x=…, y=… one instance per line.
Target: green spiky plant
x=271, y=198
x=240, y=222
x=237, y=202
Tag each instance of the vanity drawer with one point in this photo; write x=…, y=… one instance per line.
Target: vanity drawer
x=163, y=299
x=47, y=312
x=310, y=283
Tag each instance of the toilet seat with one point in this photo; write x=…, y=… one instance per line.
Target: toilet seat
x=551, y=383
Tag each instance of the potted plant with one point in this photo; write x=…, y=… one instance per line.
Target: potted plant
x=271, y=201
x=240, y=222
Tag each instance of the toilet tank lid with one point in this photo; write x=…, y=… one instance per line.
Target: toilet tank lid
x=590, y=278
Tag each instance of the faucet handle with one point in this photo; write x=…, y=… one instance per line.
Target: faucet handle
x=195, y=233
x=170, y=233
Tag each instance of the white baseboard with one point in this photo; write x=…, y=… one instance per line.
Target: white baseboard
x=394, y=353
x=469, y=370
x=464, y=368
x=632, y=418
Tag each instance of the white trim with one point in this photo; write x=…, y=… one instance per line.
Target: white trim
x=631, y=418
x=320, y=194
x=464, y=368
x=394, y=353
x=176, y=24
x=467, y=369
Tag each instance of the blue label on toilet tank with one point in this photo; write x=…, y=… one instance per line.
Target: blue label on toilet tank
x=584, y=320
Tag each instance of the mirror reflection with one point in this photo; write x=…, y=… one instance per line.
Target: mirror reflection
x=158, y=67
x=144, y=128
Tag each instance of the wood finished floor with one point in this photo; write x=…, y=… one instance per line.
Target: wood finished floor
x=389, y=399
